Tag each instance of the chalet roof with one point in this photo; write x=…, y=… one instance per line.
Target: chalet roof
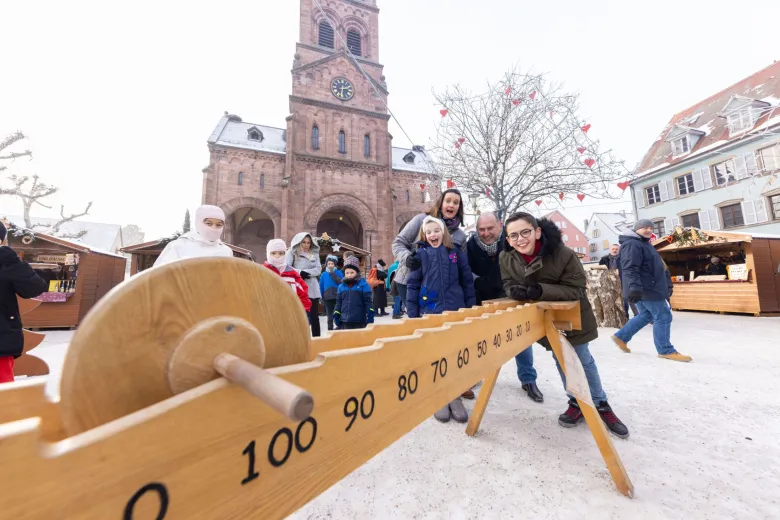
x=715, y=238
x=73, y=245
x=232, y=131
x=102, y=236
x=707, y=115
x=616, y=222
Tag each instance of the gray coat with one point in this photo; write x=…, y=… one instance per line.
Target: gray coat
x=402, y=245
x=309, y=262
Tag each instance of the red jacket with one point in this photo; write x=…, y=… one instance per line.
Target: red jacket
x=297, y=284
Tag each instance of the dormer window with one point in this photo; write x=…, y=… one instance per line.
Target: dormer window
x=742, y=112
x=253, y=134
x=740, y=121
x=409, y=158
x=681, y=146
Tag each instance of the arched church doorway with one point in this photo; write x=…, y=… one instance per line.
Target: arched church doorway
x=251, y=229
x=342, y=224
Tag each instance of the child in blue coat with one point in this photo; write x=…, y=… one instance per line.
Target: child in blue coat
x=353, y=301
x=443, y=283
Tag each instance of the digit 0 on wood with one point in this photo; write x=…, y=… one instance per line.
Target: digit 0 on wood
x=217, y=452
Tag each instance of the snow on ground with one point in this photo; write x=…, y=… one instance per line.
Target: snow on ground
x=704, y=439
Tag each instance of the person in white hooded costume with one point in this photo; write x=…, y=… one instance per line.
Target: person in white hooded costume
x=203, y=241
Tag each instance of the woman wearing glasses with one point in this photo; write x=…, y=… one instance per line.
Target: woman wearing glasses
x=536, y=265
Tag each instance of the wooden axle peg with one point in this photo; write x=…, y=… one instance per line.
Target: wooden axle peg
x=286, y=398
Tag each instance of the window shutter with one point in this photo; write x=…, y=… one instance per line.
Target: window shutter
x=714, y=221
x=762, y=215
x=663, y=190
x=670, y=189
x=749, y=212
x=675, y=223
x=704, y=220
x=706, y=177
x=698, y=180
x=668, y=226
x=751, y=168
x=640, y=199
x=739, y=162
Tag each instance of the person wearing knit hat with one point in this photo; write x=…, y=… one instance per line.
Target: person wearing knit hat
x=648, y=286
x=17, y=279
x=203, y=241
x=329, y=286
x=275, y=252
x=354, y=308
x=376, y=279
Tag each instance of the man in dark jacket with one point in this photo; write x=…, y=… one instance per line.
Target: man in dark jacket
x=536, y=265
x=646, y=285
x=612, y=260
x=483, y=249
x=17, y=278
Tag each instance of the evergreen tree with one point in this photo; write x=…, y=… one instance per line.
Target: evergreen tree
x=186, y=227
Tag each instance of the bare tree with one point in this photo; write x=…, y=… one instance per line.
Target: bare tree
x=520, y=141
x=32, y=194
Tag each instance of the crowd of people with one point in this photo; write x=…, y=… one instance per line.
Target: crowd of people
x=437, y=268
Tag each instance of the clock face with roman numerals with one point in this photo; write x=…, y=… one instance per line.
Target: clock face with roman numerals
x=342, y=89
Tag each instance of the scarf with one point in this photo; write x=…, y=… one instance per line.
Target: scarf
x=537, y=248
x=452, y=224
x=491, y=249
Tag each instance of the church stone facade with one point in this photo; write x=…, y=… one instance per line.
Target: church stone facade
x=332, y=168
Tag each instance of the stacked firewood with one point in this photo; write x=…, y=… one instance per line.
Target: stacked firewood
x=606, y=296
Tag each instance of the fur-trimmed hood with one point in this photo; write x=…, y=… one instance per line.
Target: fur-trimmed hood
x=551, y=238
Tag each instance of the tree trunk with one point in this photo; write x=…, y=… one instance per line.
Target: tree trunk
x=605, y=293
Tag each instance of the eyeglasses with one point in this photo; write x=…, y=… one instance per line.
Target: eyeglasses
x=514, y=237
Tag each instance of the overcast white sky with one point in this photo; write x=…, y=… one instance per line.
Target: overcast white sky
x=119, y=98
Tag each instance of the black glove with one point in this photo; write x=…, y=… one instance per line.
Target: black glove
x=518, y=292
x=534, y=292
x=413, y=263
x=634, y=295
x=305, y=275
x=480, y=284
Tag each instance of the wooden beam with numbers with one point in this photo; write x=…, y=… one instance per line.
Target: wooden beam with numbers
x=216, y=451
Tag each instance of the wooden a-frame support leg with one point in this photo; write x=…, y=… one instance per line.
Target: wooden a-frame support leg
x=482, y=401
x=596, y=425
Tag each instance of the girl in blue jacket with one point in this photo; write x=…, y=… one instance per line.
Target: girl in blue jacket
x=443, y=283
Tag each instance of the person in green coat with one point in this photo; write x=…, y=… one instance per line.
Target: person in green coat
x=537, y=265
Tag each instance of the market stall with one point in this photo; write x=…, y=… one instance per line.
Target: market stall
x=77, y=276
x=750, y=285
x=333, y=246
x=143, y=256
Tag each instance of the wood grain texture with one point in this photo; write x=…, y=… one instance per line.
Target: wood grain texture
x=117, y=360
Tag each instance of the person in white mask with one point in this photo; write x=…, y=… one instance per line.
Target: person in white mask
x=204, y=241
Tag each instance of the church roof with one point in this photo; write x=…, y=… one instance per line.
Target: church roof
x=232, y=131
x=411, y=160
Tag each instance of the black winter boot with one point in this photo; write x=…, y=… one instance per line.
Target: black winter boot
x=611, y=420
x=572, y=415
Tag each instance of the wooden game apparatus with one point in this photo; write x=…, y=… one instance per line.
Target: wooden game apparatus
x=146, y=428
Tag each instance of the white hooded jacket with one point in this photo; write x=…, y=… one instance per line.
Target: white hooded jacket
x=201, y=242
x=309, y=262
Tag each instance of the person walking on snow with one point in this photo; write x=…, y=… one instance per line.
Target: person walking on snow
x=353, y=306
x=647, y=285
x=304, y=257
x=536, y=265
x=483, y=249
x=203, y=241
x=329, y=286
x=275, y=252
x=17, y=278
x=443, y=283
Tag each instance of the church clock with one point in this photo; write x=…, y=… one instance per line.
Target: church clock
x=342, y=89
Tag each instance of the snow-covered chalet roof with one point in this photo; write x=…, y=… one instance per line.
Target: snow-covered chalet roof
x=762, y=89
x=405, y=159
x=616, y=222
x=232, y=131
x=99, y=237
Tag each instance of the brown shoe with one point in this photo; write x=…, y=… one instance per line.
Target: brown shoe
x=676, y=356
x=468, y=394
x=622, y=345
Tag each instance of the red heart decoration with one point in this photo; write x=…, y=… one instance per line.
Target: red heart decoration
x=461, y=140
x=551, y=113
x=532, y=94
x=450, y=184
x=457, y=144
x=586, y=128
x=561, y=195
x=515, y=102
x=581, y=149
x=538, y=202
x=623, y=185
x=487, y=192
x=581, y=197
x=508, y=91
x=422, y=187
x=589, y=162
x=444, y=112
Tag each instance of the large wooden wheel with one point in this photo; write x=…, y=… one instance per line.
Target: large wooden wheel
x=157, y=334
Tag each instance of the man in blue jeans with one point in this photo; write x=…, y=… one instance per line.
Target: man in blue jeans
x=646, y=285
